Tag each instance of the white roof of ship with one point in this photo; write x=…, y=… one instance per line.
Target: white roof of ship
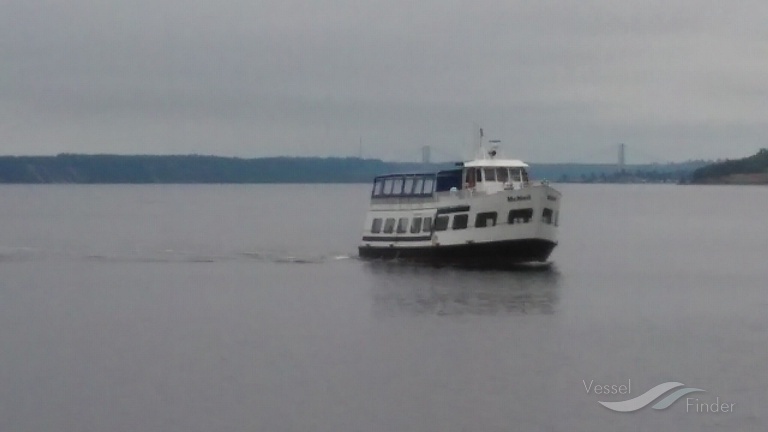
x=515, y=163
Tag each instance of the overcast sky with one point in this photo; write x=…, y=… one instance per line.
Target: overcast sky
x=556, y=81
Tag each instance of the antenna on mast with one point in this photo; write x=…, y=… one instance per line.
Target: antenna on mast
x=494, y=147
x=477, y=135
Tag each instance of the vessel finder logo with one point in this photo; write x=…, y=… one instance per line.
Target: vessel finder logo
x=644, y=399
x=674, y=391
x=651, y=395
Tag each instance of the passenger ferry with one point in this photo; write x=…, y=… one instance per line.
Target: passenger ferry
x=485, y=212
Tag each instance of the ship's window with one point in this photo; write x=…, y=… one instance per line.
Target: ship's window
x=427, y=227
x=441, y=223
x=378, y=187
x=402, y=225
x=418, y=186
x=388, y=186
x=446, y=180
x=516, y=177
x=429, y=185
x=389, y=226
x=502, y=174
x=397, y=189
x=460, y=221
x=546, y=216
x=376, y=226
x=525, y=175
x=408, y=186
x=416, y=225
x=490, y=174
x=487, y=219
x=520, y=216
x=471, y=177
x=478, y=174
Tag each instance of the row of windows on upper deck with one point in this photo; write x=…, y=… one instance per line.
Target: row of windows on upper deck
x=500, y=174
x=403, y=186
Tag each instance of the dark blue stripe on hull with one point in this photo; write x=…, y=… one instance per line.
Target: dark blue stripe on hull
x=481, y=254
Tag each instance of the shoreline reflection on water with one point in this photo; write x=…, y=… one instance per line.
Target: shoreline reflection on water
x=417, y=289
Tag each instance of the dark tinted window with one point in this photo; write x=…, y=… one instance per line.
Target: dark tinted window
x=460, y=221
x=427, y=224
x=416, y=225
x=487, y=219
x=520, y=216
x=448, y=179
x=441, y=223
x=389, y=226
x=376, y=226
x=546, y=216
x=471, y=177
x=402, y=225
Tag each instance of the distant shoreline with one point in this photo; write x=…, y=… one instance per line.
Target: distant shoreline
x=759, y=179
x=751, y=170
x=196, y=169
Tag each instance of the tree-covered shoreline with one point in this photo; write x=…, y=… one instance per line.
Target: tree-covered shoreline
x=150, y=169
x=749, y=170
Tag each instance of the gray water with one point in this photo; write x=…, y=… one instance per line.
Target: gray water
x=244, y=308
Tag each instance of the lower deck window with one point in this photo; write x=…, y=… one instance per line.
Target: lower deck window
x=487, y=219
x=402, y=225
x=376, y=226
x=460, y=221
x=427, y=226
x=389, y=225
x=546, y=216
x=441, y=223
x=416, y=225
x=520, y=216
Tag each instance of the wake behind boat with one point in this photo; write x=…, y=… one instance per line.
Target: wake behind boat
x=486, y=212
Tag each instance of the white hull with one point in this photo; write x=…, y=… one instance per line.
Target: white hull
x=511, y=226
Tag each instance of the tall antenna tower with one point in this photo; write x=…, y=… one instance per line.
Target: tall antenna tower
x=622, y=152
x=426, y=153
x=360, y=149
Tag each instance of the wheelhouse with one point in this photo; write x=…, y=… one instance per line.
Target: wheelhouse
x=491, y=175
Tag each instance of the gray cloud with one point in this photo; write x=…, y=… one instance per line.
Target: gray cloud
x=555, y=80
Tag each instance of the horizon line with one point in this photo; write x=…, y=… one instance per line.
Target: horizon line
x=330, y=157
